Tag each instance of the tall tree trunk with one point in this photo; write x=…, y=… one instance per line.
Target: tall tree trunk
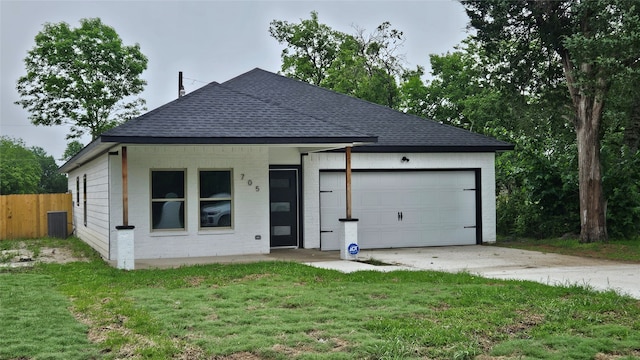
x=593, y=226
x=588, y=108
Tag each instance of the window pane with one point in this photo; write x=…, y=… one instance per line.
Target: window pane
x=280, y=230
x=280, y=206
x=167, y=184
x=215, y=213
x=280, y=183
x=215, y=184
x=167, y=214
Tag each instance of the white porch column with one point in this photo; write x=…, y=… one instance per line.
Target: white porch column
x=125, y=241
x=349, y=247
x=125, y=245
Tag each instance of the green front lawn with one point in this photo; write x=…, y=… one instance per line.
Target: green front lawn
x=278, y=310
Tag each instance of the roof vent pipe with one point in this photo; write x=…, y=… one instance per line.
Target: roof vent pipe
x=180, y=85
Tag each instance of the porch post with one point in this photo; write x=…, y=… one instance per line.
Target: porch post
x=125, y=188
x=125, y=239
x=348, y=179
x=349, y=226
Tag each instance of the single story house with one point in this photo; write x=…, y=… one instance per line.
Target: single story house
x=260, y=162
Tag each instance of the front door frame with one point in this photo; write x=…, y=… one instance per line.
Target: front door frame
x=299, y=230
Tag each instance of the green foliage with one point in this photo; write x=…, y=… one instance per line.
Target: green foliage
x=28, y=170
x=364, y=66
x=311, y=48
x=20, y=170
x=73, y=148
x=83, y=76
x=536, y=192
x=621, y=183
x=595, y=43
x=51, y=182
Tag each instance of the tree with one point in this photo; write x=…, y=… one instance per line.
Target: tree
x=593, y=41
x=84, y=76
x=20, y=170
x=535, y=184
x=364, y=66
x=51, y=182
x=311, y=48
x=73, y=148
x=368, y=66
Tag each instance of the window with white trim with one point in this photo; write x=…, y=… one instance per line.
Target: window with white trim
x=216, y=199
x=168, y=199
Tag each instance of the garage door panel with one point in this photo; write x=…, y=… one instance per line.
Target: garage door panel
x=437, y=208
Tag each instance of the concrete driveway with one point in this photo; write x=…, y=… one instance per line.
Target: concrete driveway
x=502, y=263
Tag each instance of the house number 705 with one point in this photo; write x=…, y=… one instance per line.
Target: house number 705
x=249, y=182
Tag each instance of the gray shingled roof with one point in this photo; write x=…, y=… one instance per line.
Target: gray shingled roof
x=396, y=131
x=260, y=107
x=215, y=114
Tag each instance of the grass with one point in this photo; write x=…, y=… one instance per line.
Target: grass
x=36, y=323
x=280, y=310
x=618, y=250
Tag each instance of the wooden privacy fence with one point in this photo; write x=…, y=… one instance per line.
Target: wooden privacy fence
x=25, y=216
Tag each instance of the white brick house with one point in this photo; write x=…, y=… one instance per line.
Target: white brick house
x=258, y=162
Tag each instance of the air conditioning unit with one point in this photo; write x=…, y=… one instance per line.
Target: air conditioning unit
x=57, y=224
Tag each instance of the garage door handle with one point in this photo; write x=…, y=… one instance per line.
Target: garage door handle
x=399, y=215
x=470, y=227
x=325, y=231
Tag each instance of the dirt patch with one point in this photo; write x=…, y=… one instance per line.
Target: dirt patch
x=601, y=356
x=238, y=356
x=253, y=277
x=523, y=324
x=23, y=257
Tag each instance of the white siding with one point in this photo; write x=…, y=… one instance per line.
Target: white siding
x=96, y=232
x=250, y=202
x=115, y=202
x=249, y=164
x=284, y=156
x=313, y=163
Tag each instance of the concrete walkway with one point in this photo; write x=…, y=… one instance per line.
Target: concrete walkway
x=503, y=263
x=488, y=261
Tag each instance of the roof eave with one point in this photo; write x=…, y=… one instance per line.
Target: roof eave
x=240, y=140
x=88, y=153
x=106, y=142
x=434, y=149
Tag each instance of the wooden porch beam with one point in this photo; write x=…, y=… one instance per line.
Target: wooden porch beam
x=348, y=179
x=125, y=190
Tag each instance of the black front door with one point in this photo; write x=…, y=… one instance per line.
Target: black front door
x=283, y=204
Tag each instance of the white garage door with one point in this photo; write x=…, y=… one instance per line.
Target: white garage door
x=401, y=209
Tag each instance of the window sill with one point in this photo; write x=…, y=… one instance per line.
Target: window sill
x=215, y=231
x=164, y=233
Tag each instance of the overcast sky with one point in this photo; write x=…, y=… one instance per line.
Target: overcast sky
x=206, y=40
